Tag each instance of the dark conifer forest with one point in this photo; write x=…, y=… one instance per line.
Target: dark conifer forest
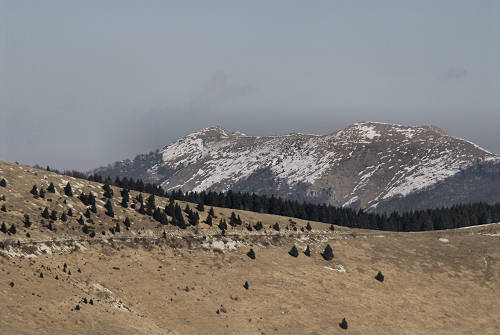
x=432, y=219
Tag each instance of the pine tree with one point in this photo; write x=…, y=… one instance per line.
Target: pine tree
x=308, y=226
x=181, y=223
x=13, y=229
x=193, y=218
x=70, y=212
x=170, y=208
x=157, y=214
x=80, y=220
x=127, y=222
x=27, y=222
x=53, y=215
x=294, y=252
x=150, y=204
x=125, y=193
x=86, y=229
x=258, y=226
x=67, y=190
x=332, y=228
x=42, y=193
x=34, y=190
x=178, y=212
x=3, y=182
x=117, y=227
x=307, y=252
x=251, y=254
x=109, y=209
x=64, y=218
x=276, y=226
x=141, y=209
x=246, y=286
x=3, y=228
x=233, y=221
x=139, y=198
x=211, y=212
x=327, y=253
x=87, y=213
x=343, y=324
x=93, y=208
x=200, y=207
x=108, y=191
x=208, y=221
x=222, y=224
x=51, y=188
x=3, y=209
x=45, y=213
x=125, y=198
x=379, y=277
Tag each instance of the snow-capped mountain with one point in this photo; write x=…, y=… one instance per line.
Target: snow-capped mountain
x=360, y=166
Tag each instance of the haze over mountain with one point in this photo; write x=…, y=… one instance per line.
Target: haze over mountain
x=363, y=165
x=81, y=72
x=255, y=199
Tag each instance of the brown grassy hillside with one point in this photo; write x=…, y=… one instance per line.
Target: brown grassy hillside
x=190, y=281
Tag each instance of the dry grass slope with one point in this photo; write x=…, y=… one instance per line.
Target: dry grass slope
x=191, y=281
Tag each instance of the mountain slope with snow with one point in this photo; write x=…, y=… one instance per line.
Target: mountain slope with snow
x=360, y=166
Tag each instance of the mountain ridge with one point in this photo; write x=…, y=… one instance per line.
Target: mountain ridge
x=359, y=166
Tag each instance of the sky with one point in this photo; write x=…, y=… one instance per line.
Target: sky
x=86, y=83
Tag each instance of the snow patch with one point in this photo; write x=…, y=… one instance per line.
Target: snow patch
x=339, y=268
x=221, y=245
x=45, y=248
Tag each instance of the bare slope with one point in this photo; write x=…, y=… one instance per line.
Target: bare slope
x=477, y=183
x=359, y=166
x=143, y=283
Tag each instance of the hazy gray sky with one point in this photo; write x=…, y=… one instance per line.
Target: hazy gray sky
x=85, y=83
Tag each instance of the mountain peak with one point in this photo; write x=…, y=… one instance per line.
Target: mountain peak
x=217, y=131
x=436, y=129
x=214, y=130
x=360, y=166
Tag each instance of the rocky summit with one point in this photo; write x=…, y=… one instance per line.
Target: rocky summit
x=366, y=165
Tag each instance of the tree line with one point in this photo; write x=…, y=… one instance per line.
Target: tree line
x=457, y=216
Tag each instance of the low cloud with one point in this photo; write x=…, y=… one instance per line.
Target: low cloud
x=455, y=73
x=219, y=90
